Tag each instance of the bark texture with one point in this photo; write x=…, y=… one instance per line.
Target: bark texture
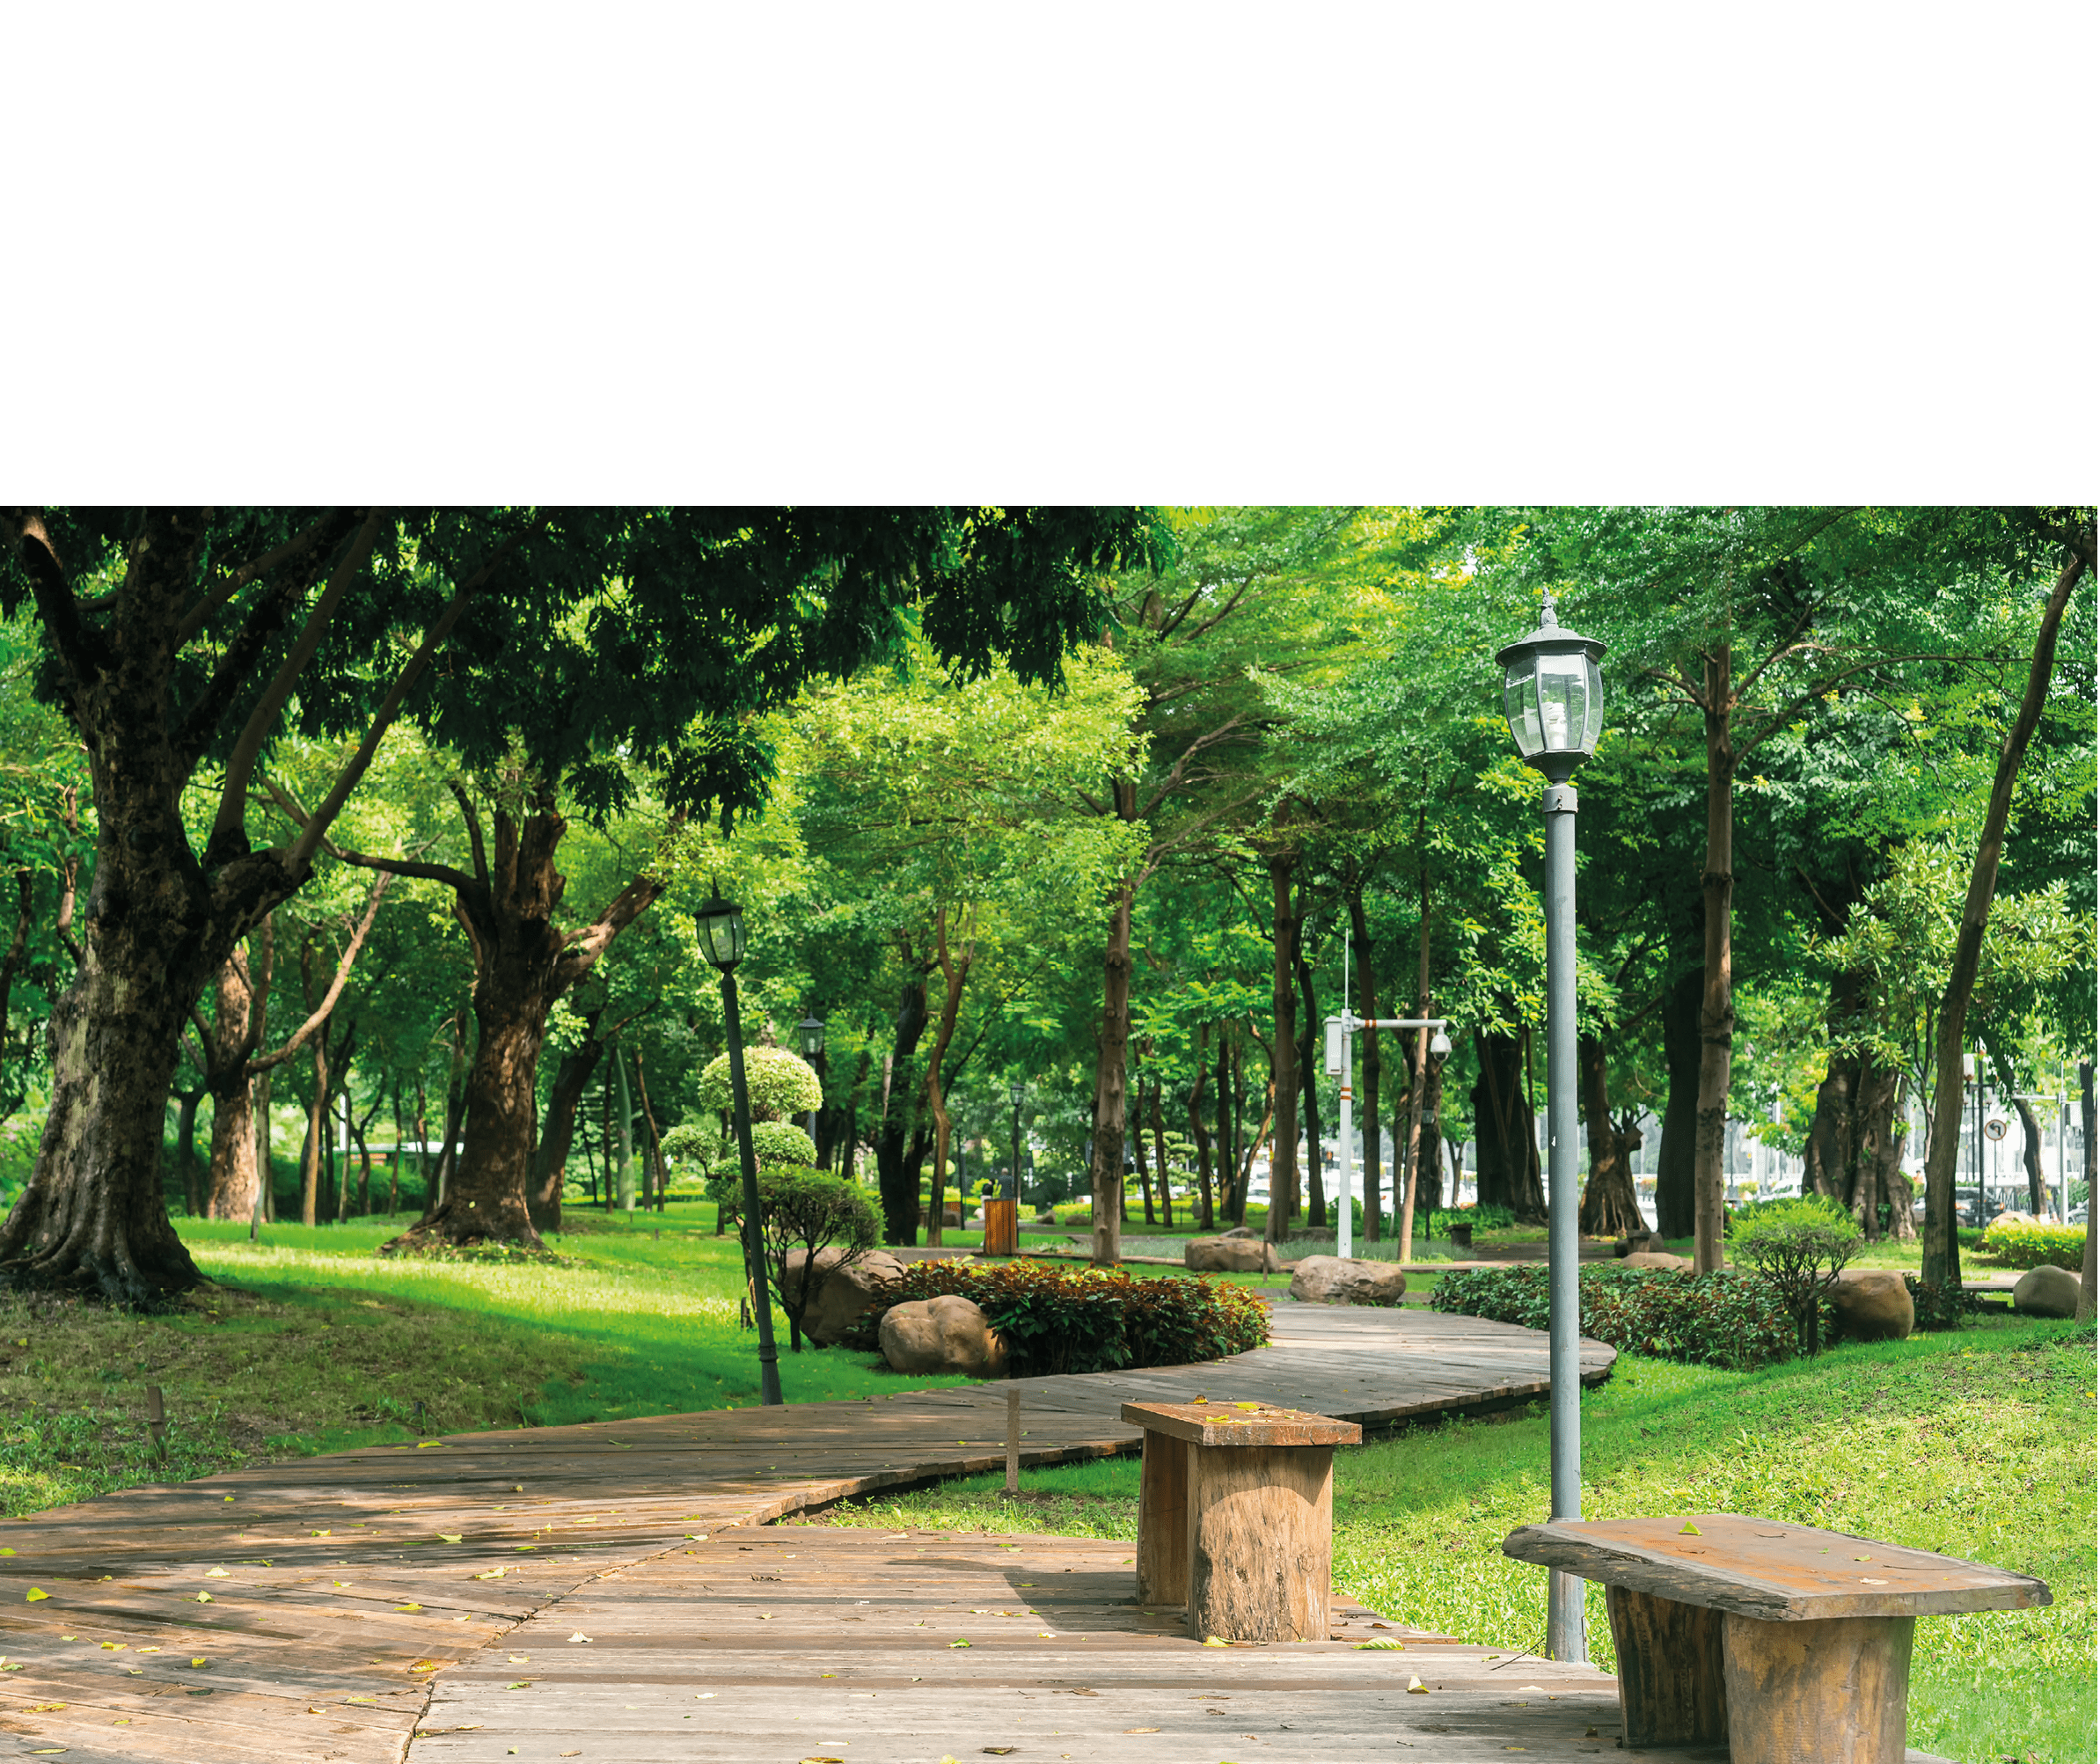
x=1941, y=1255
x=1111, y=1073
x=1610, y=1208
x=1507, y=1146
x=896, y=1173
x=1674, y=1209
x=1716, y=997
x=1283, y=1155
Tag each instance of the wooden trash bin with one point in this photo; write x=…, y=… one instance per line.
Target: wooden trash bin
x=1002, y=1227
x=1789, y=1645
x=1236, y=1516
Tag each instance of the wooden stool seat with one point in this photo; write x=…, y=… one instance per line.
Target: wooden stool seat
x=1789, y=1644
x=1236, y=1516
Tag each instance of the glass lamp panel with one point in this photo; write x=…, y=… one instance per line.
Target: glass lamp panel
x=1563, y=702
x=1592, y=724
x=722, y=934
x=1521, y=705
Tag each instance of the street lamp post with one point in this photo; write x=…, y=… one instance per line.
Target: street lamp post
x=721, y=923
x=811, y=1031
x=1341, y=1047
x=1013, y=1091
x=1553, y=696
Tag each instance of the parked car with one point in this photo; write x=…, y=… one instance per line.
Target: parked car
x=2077, y=1215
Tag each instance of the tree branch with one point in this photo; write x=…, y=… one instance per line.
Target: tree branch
x=401, y=867
x=54, y=602
x=265, y=1062
x=227, y=837
x=473, y=827
x=234, y=581
x=301, y=853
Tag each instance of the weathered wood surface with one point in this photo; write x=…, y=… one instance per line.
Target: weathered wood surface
x=1829, y=1691
x=1261, y=1542
x=1672, y=1688
x=803, y=1642
x=339, y=1593
x=1771, y=1571
x=1163, y=1521
x=1241, y=1424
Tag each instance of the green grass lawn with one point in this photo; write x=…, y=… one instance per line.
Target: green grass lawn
x=310, y=1344
x=1979, y=1444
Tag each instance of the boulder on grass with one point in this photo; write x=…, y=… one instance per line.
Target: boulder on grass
x=1347, y=1280
x=1231, y=1255
x=842, y=1294
x=950, y=1334
x=1872, y=1305
x=1634, y=1243
x=1654, y=1258
x=2047, y=1291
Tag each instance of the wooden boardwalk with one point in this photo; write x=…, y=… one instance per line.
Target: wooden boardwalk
x=307, y=1610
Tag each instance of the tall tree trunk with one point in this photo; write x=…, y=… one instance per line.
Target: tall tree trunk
x=1610, y=1207
x=1430, y=1190
x=1717, y=1000
x=624, y=1120
x=1674, y=1209
x=1283, y=1071
x=186, y=1148
x=1234, y=1199
x=1200, y=1134
x=1310, y=1060
x=557, y=1137
x=2031, y=1155
x=2088, y=1275
x=1144, y=1179
x=393, y=1176
x=240, y=1005
x=1359, y=932
x=423, y=1138
x=1111, y=1071
x=448, y=1152
x=1828, y=1154
x=1942, y=1250
x=266, y=1170
x=954, y=971
x=1417, y=1082
x=898, y=1186
x=648, y=1121
x=313, y=1157
x=1160, y=1156
x=1506, y=1152
x=523, y=965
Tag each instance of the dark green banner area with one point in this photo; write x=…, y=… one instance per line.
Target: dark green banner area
x=1125, y=251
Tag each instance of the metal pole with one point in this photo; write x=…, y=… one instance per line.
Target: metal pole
x=754, y=1242
x=1345, y=1238
x=1564, y=1639
x=1981, y=1204
x=1017, y=1159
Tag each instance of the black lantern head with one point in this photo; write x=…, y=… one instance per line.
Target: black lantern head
x=721, y=923
x=1014, y=1090
x=1553, y=695
x=812, y=1031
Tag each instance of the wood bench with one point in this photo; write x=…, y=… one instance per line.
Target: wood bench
x=1236, y=1516
x=1791, y=1646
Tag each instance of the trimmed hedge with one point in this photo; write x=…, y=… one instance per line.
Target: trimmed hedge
x=1060, y=1319
x=1725, y=1319
x=2022, y=1244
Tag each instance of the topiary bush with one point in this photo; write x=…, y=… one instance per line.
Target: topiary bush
x=1488, y=1216
x=1727, y=1318
x=1061, y=1320
x=809, y=1211
x=1799, y=1246
x=2022, y=1243
x=781, y=1084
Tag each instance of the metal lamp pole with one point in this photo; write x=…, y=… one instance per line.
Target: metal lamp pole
x=722, y=939
x=1341, y=1045
x=1013, y=1091
x=1553, y=695
x=811, y=1030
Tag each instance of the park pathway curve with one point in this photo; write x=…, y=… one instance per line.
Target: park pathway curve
x=305, y=1610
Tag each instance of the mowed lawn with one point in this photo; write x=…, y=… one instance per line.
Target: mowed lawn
x=310, y=1342
x=1979, y=1444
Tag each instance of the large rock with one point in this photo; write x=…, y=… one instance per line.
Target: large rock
x=1347, y=1280
x=1231, y=1255
x=1634, y=1243
x=2047, y=1291
x=1872, y=1305
x=842, y=1294
x=944, y=1335
x=1654, y=1258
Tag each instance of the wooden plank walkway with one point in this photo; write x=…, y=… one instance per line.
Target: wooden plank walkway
x=304, y=1610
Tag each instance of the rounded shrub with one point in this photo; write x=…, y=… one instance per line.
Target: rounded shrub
x=781, y=1084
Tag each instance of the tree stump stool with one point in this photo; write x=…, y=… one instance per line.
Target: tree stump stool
x=1236, y=1516
x=1002, y=1227
x=1791, y=1646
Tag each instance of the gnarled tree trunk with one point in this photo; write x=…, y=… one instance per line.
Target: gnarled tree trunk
x=1111, y=1073
x=1610, y=1208
x=1283, y=1070
x=896, y=1176
x=1507, y=1146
